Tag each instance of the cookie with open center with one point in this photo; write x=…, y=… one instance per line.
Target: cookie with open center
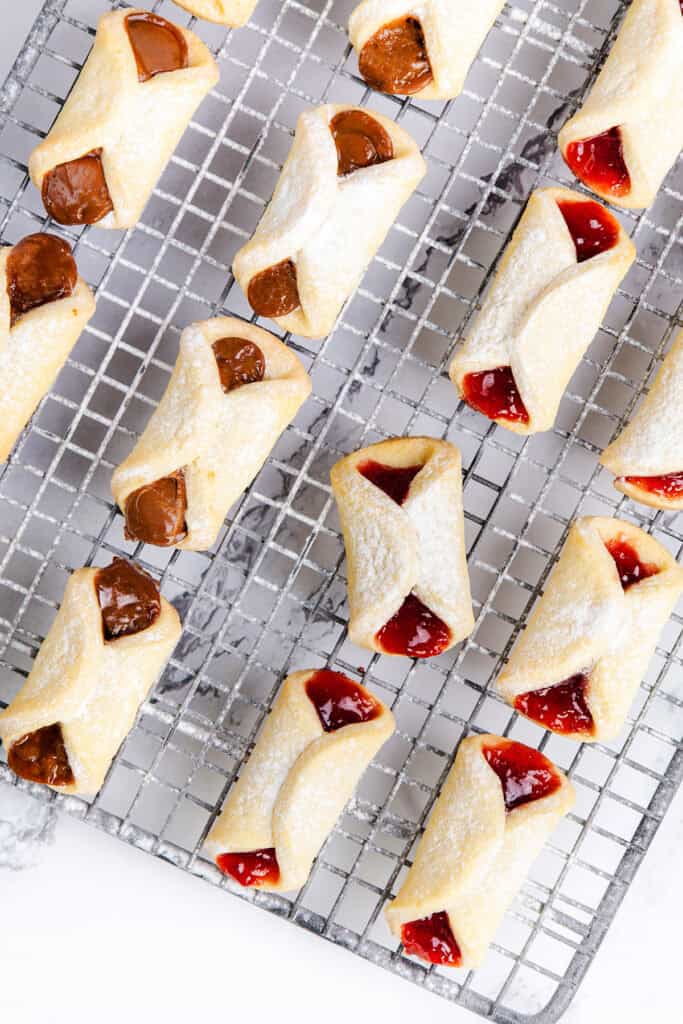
x=339, y=701
x=592, y=228
x=129, y=599
x=273, y=292
x=525, y=774
x=252, y=869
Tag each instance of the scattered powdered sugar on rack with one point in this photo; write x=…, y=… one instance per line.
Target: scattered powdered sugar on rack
x=26, y=827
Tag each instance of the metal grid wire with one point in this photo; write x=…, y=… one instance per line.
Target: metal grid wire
x=270, y=595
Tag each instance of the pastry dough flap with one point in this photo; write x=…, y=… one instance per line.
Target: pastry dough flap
x=224, y=12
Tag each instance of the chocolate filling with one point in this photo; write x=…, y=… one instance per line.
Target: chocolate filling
x=40, y=269
x=40, y=756
x=155, y=513
x=273, y=292
x=128, y=597
x=361, y=141
x=157, y=44
x=395, y=59
x=76, y=192
x=239, y=362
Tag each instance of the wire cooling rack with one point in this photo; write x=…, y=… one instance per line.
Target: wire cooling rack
x=270, y=596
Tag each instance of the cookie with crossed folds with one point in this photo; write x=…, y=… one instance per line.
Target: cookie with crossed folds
x=121, y=122
x=112, y=636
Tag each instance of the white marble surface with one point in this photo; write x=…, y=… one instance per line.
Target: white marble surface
x=96, y=929
x=98, y=932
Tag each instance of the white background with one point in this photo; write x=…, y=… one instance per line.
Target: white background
x=99, y=932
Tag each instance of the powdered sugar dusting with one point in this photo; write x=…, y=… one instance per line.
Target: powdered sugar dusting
x=652, y=443
x=26, y=828
x=540, y=250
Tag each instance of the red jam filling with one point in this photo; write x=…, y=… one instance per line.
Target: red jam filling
x=414, y=631
x=561, y=708
x=599, y=163
x=250, y=869
x=339, y=701
x=432, y=940
x=393, y=480
x=494, y=393
x=668, y=486
x=592, y=228
x=629, y=566
x=524, y=773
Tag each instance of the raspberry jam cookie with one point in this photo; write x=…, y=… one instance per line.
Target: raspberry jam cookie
x=499, y=804
x=647, y=457
x=549, y=295
x=578, y=664
x=400, y=507
x=322, y=733
x=628, y=133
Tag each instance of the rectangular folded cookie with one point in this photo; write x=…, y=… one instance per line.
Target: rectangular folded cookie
x=547, y=300
x=578, y=664
x=105, y=650
x=422, y=49
x=401, y=513
x=647, y=457
x=629, y=132
x=131, y=103
x=223, y=12
x=322, y=733
x=234, y=389
x=499, y=804
x=343, y=184
x=44, y=306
